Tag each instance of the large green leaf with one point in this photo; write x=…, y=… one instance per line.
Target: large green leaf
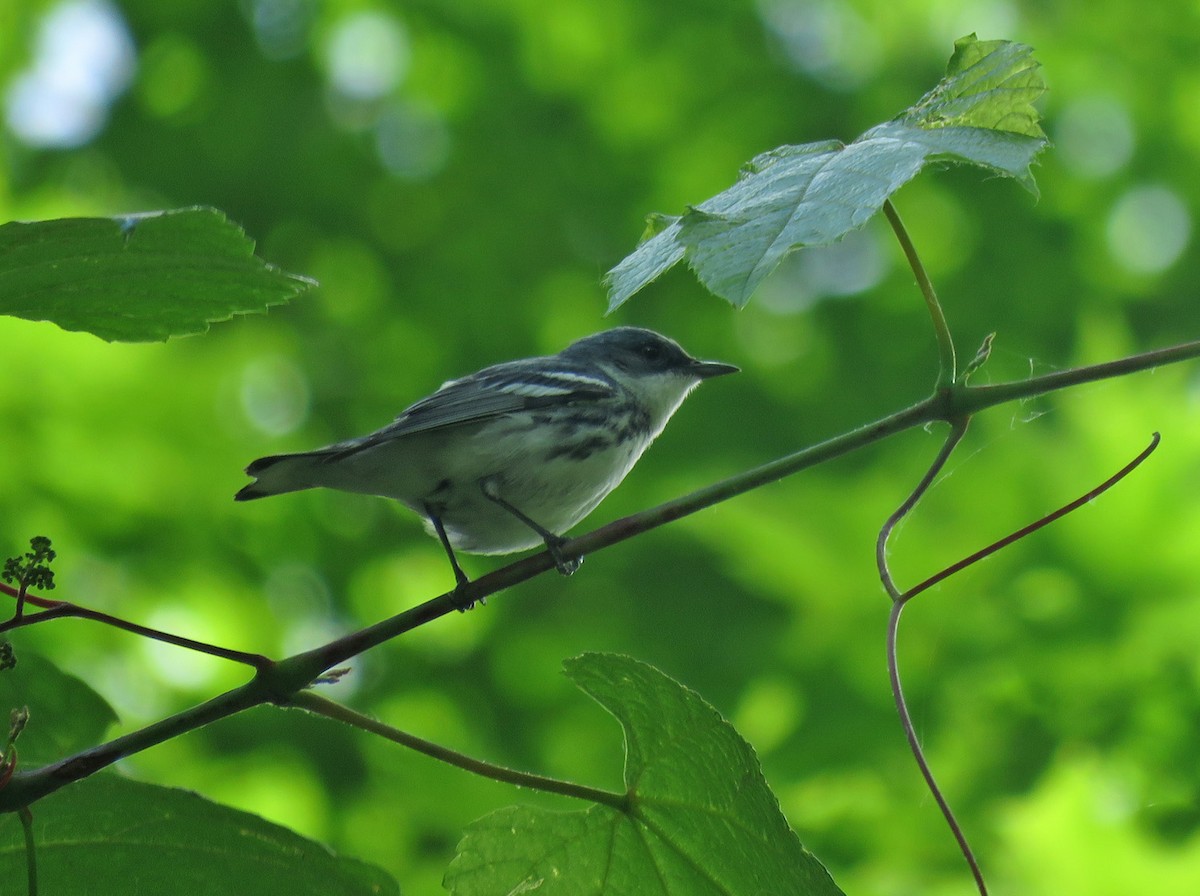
x=65, y=714
x=108, y=834
x=811, y=195
x=137, y=278
x=700, y=818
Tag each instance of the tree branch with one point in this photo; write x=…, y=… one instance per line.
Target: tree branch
x=277, y=683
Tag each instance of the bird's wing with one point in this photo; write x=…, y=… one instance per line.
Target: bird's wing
x=492, y=392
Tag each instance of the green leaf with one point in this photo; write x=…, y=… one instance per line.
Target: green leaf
x=137, y=278
x=989, y=84
x=108, y=834
x=65, y=715
x=811, y=195
x=699, y=819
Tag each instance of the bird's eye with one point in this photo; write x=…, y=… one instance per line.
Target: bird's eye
x=651, y=351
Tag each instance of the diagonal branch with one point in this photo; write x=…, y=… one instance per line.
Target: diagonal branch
x=951, y=404
x=61, y=609
x=279, y=682
x=1049, y=518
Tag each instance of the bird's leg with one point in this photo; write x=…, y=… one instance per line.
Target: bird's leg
x=459, y=575
x=564, y=564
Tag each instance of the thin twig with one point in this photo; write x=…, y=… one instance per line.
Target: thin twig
x=957, y=431
x=893, y=629
x=914, y=745
x=61, y=609
x=976, y=398
x=1034, y=526
x=333, y=710
x=953, y=438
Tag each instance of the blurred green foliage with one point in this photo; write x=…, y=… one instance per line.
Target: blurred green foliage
x=459, y=176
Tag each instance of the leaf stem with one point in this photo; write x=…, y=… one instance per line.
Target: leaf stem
x=947, y=360
x=330, y=709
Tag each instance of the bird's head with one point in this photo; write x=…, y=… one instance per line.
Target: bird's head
x=653, y=368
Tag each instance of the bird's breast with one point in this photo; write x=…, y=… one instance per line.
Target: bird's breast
x=553, y=472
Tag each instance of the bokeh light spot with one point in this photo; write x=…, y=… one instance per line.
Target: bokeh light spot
x=173, y=76
x=987, y=18
x=1094, y=136
x=826, y=39
x=84, y=58
x=367, y=55
x=281, y=27
x=853, y=265
x=274, y=395
x=412, y=141
x=1148, y=229
x=770, y=710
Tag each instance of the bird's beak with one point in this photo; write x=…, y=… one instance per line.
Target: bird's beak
x=707, y=369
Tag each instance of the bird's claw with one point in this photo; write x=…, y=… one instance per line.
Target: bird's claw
x=565, y=565
x=459, y=598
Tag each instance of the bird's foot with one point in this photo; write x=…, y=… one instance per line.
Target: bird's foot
x=564, y=564
x=459, y=597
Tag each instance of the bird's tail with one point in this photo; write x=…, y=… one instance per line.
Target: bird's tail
x=280, y=473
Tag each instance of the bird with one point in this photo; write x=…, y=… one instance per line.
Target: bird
x=512, y=456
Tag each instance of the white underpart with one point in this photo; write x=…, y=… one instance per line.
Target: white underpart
x=526, y=461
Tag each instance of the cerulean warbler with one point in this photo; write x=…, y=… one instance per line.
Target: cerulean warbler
x=516, y=454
